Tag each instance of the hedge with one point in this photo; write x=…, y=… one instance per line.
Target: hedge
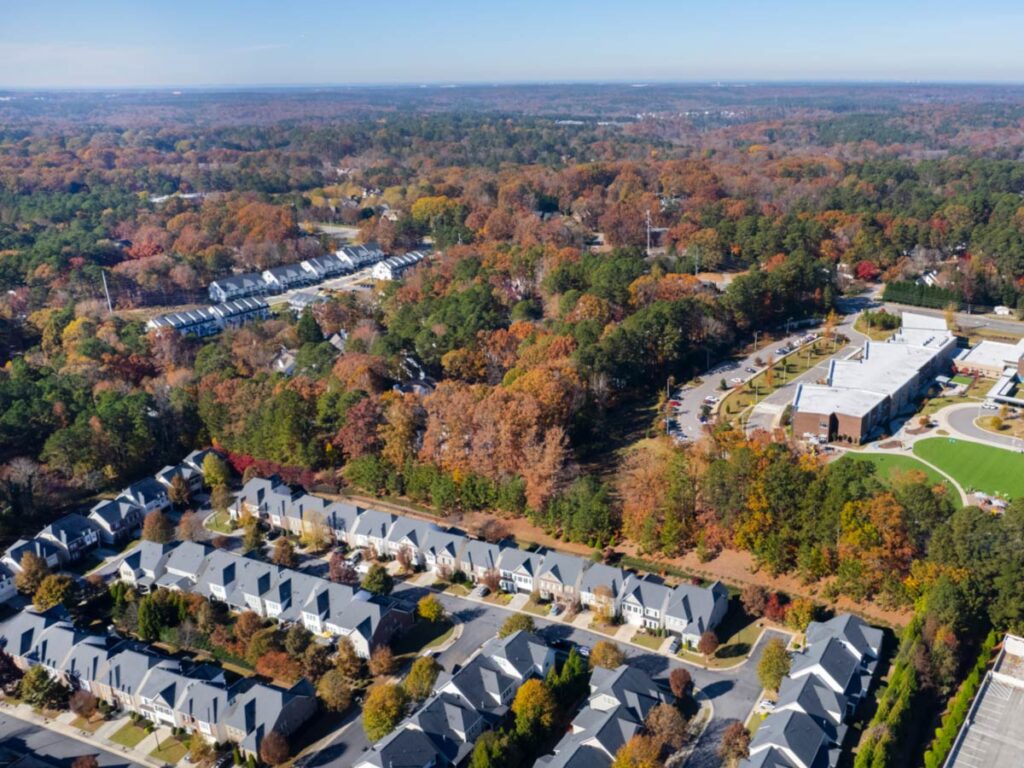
x=960, y=705
x=906, y=292
x=894, y=705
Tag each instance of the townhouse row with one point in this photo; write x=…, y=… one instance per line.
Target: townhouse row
x=825, y=685
x=109, y=522
x=288, y=276
x=444, y=729
x=132, y=677
x=616, y=710
x=286, y=595
x=686, y=610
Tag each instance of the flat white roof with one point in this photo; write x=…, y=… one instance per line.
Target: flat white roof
x=817, y=398
x=924, y=322
x=884, y=368
x=993, y=354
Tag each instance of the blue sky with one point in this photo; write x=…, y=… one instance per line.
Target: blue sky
x=114, y=43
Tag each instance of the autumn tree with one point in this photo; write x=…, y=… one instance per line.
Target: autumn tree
x=315, y=534
x=707, y=645
x=774, y=664
x=534, y=708
x=215, y=471
x=178, y=492
x=667, y=727
x=378, y=581
x=419, y=683
x=735, y=744
x=335, y=691
x=680, y=681
x=347, y=661
x=82, y=703
x=382, y=662
x=85, y=761
x=606, y=654
x=754, y=599
x=190, y=527
x=383, y=709
x=515, y=623
x=156, y=527
x=284, y=553
x=33, y=571
x=252, y=539
x=340, y=571
x=55, y=589
x=430, y=609
x=274, y=748
x=641, y=751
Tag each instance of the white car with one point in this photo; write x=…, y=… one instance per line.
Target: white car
x=736, y=380
x=765, y=705
x=710, y=399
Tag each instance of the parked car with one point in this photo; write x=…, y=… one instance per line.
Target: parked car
x=584, y=651
x=480, y=591
x=750, y=370
x=782, y=351
x=765, y=705
x=555, y=609
x=736, y=380
x=673, y=647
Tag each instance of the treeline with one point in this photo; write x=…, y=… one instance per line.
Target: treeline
x=920, y=295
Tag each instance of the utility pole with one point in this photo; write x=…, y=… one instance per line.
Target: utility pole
x=106, y=291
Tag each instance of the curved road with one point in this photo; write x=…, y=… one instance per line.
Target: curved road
x=960, y=419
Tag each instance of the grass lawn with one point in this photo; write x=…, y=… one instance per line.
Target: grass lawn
x=459, y=590
x=875, y=334
x=738, y=633
x=422, y=636
x=537, y=609
x=975, y=392
x=129, y=736
x=648, y=641
x=975, y=466
x=961, y=379
x=605, y=629
x=499, y=598
x=891, y=469
x=1011, y=427
x=170, y=751
x=220, y=522
x=88, y=725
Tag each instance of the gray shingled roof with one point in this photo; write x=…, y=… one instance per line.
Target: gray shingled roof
x=797, y=734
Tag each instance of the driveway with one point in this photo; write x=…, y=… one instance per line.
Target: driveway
x=959, y=419
x=28, y=738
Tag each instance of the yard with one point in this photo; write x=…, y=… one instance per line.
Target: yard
x=648, y=641
x=1011, y=427
x=91, y=724
x=976, y=466
x=536, y=608
x=422, y=636
x=975, y=392
x=893, y=469
x=129, y=736
x=783, y=372
x=738, y=634
x=170, y=751
x=220, y=522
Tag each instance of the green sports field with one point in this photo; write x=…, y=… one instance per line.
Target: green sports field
x=888, y=467
x=975, y=466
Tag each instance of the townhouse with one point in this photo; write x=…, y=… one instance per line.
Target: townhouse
x=559, y=577
x=148, y=494
x=644, y=602
x=115, y=519
x=602, y=588
x=193, y=480
x=519, y=569
x=73, y=536
x=326, y=266
x=47, y=551
x=208, y=321
x=358, y=256
x=284, y=594
x=287, y=276
x=236, y=313
x=237, y=287
x=825, y=685
x=616, y=709
x=442, y=732
x=686, y=611
x=394, y=267
x=134, y=678
x=691, y=611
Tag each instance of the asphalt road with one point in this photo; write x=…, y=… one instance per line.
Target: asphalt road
x=28, y=738
x=962, y=420
x=732, y=692
x=967, y=322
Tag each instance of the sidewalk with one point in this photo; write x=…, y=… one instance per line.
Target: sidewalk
x=98, y=740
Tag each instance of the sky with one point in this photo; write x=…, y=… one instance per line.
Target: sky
x=145, y=43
